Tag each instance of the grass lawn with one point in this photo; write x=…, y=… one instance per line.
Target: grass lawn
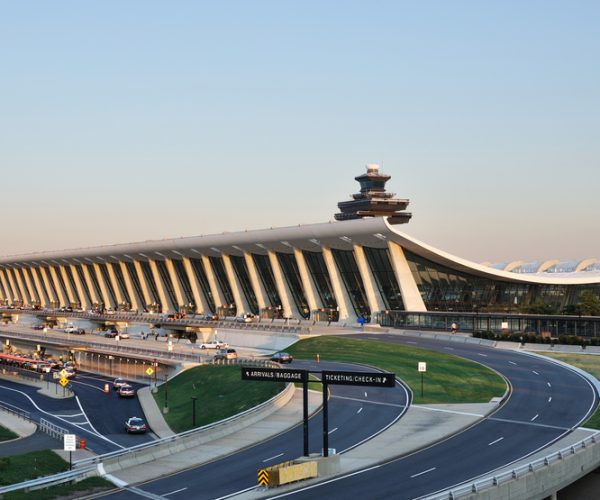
x=78, y=490
x=449, y=379
x=591, y=364
x=220, y=391
x=6, y=434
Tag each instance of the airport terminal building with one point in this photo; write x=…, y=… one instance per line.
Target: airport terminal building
x=359, y=266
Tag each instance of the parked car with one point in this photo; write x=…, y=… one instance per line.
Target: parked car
x=111, y=334
x=70, y=329
x=79, y=331
x=215, y=344
x=282, y=357
x=119, y=382
x=126, y=391
x=225, y=354
x=135, y=425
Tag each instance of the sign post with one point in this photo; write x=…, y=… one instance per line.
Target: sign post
x=70, y=445
x=422, y=369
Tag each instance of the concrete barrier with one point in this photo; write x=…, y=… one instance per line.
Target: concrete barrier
x=289, y=472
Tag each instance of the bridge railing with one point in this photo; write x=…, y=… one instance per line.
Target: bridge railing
x=47, y=481
x=504, y=476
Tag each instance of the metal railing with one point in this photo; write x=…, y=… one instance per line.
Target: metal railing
x=47, y=481
x=53, y=430
x=500, y=477
x=7, y=407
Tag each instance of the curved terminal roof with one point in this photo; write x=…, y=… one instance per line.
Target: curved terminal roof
x=344, y=235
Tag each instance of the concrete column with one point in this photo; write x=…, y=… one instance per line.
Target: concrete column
x=3, y=288
x=241, y=304
x=21, y=285
x=255, y=281
x=201, y=302
x=160, y=288
x=33, y=293
x=310, y=290
x=376, y=302
x=47, y=286
x=136, y=302
x=115, y=283
x=408, y=287
x=212, y=282
x=43, y=296
x=5, y=284
x=70, y=293
x=85, y=305
x=179, y=293
x=106, y=298
x=63, y=300
x=347, y=312
x=85, y=269
x=145, y=289
x=14, y=290
x=288, y=305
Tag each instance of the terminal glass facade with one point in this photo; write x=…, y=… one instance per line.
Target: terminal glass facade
x=161, y=265
x=133, y=276
x=221, y=276
x=94, y=280
x=241, y=271
x=203, y=281
x=151, y=286
x=352, y=279
x=291, y=273
x=84, y=287
x=320, y=275
x=121, y=284
x=184, y=280
x=385, y=277
x=109, y=286
x=263, y=268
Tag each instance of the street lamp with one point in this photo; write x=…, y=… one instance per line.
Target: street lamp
x=166, y=407
x=194, y=398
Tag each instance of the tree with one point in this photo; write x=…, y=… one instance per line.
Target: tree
x=589, y=303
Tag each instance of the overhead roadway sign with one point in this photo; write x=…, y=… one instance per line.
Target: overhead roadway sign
x=274, y=374
x=373, y=379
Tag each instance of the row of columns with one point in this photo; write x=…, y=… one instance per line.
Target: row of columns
x=48, y=285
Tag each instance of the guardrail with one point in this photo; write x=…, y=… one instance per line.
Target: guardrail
x=188, y=439
x=505, y=476
x=47, y=481
x=7, y=407
x=53, y=430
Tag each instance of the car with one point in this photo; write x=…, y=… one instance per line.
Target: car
x=70, y=329
x=135, y=425
x=39, y=327
x=224, y=354
x=111, y=334
x=119, y=382
x=79, y=331
x=282, y=357
x=126, y=391
x=215, y=344
x=123, y=335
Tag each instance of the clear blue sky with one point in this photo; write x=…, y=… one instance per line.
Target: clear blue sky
x=140, y=120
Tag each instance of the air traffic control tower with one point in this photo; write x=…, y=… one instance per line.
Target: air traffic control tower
x=373, y=200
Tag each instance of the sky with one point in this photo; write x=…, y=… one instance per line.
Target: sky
x=142, y=120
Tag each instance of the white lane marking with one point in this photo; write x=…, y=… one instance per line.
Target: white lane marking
x=512, y=363
x=550, y=399
x=365, y=394
x=496, y=441
x=448, y=411
x=449, y=348
x=549, y=384
x=368, y=402
x=173, y=492
x=272, y=458
x=535, y=417
x=483, y=355
x=359, y=410
x=88, y=385
x=332, y=430
x=34, y=404
x=230, y=495
x=421, y=473
x=535, y=372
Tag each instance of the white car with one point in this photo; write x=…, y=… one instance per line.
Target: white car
x=215, y=344
x=70, y=329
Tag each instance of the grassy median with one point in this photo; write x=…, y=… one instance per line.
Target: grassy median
x=449, y=379
x=6, y=434
x=19, y=468
x=591, y=364
x=220, y=393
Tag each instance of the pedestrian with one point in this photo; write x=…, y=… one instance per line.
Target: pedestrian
x=156, y=337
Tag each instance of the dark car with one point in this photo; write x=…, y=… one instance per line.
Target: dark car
x=282, y=357
x=126, y=391
x=111, y=334
x=135, y=425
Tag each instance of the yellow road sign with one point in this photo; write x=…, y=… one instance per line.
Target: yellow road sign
x=63, y=381
x=263, y=477
x=63, y=373
x=149, y=371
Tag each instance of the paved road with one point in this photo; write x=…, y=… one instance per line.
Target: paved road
x=93, y=415
x=547, y=402
x=355, y=414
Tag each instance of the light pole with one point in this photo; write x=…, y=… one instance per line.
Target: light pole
x=194, y=398
x=166, y=407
